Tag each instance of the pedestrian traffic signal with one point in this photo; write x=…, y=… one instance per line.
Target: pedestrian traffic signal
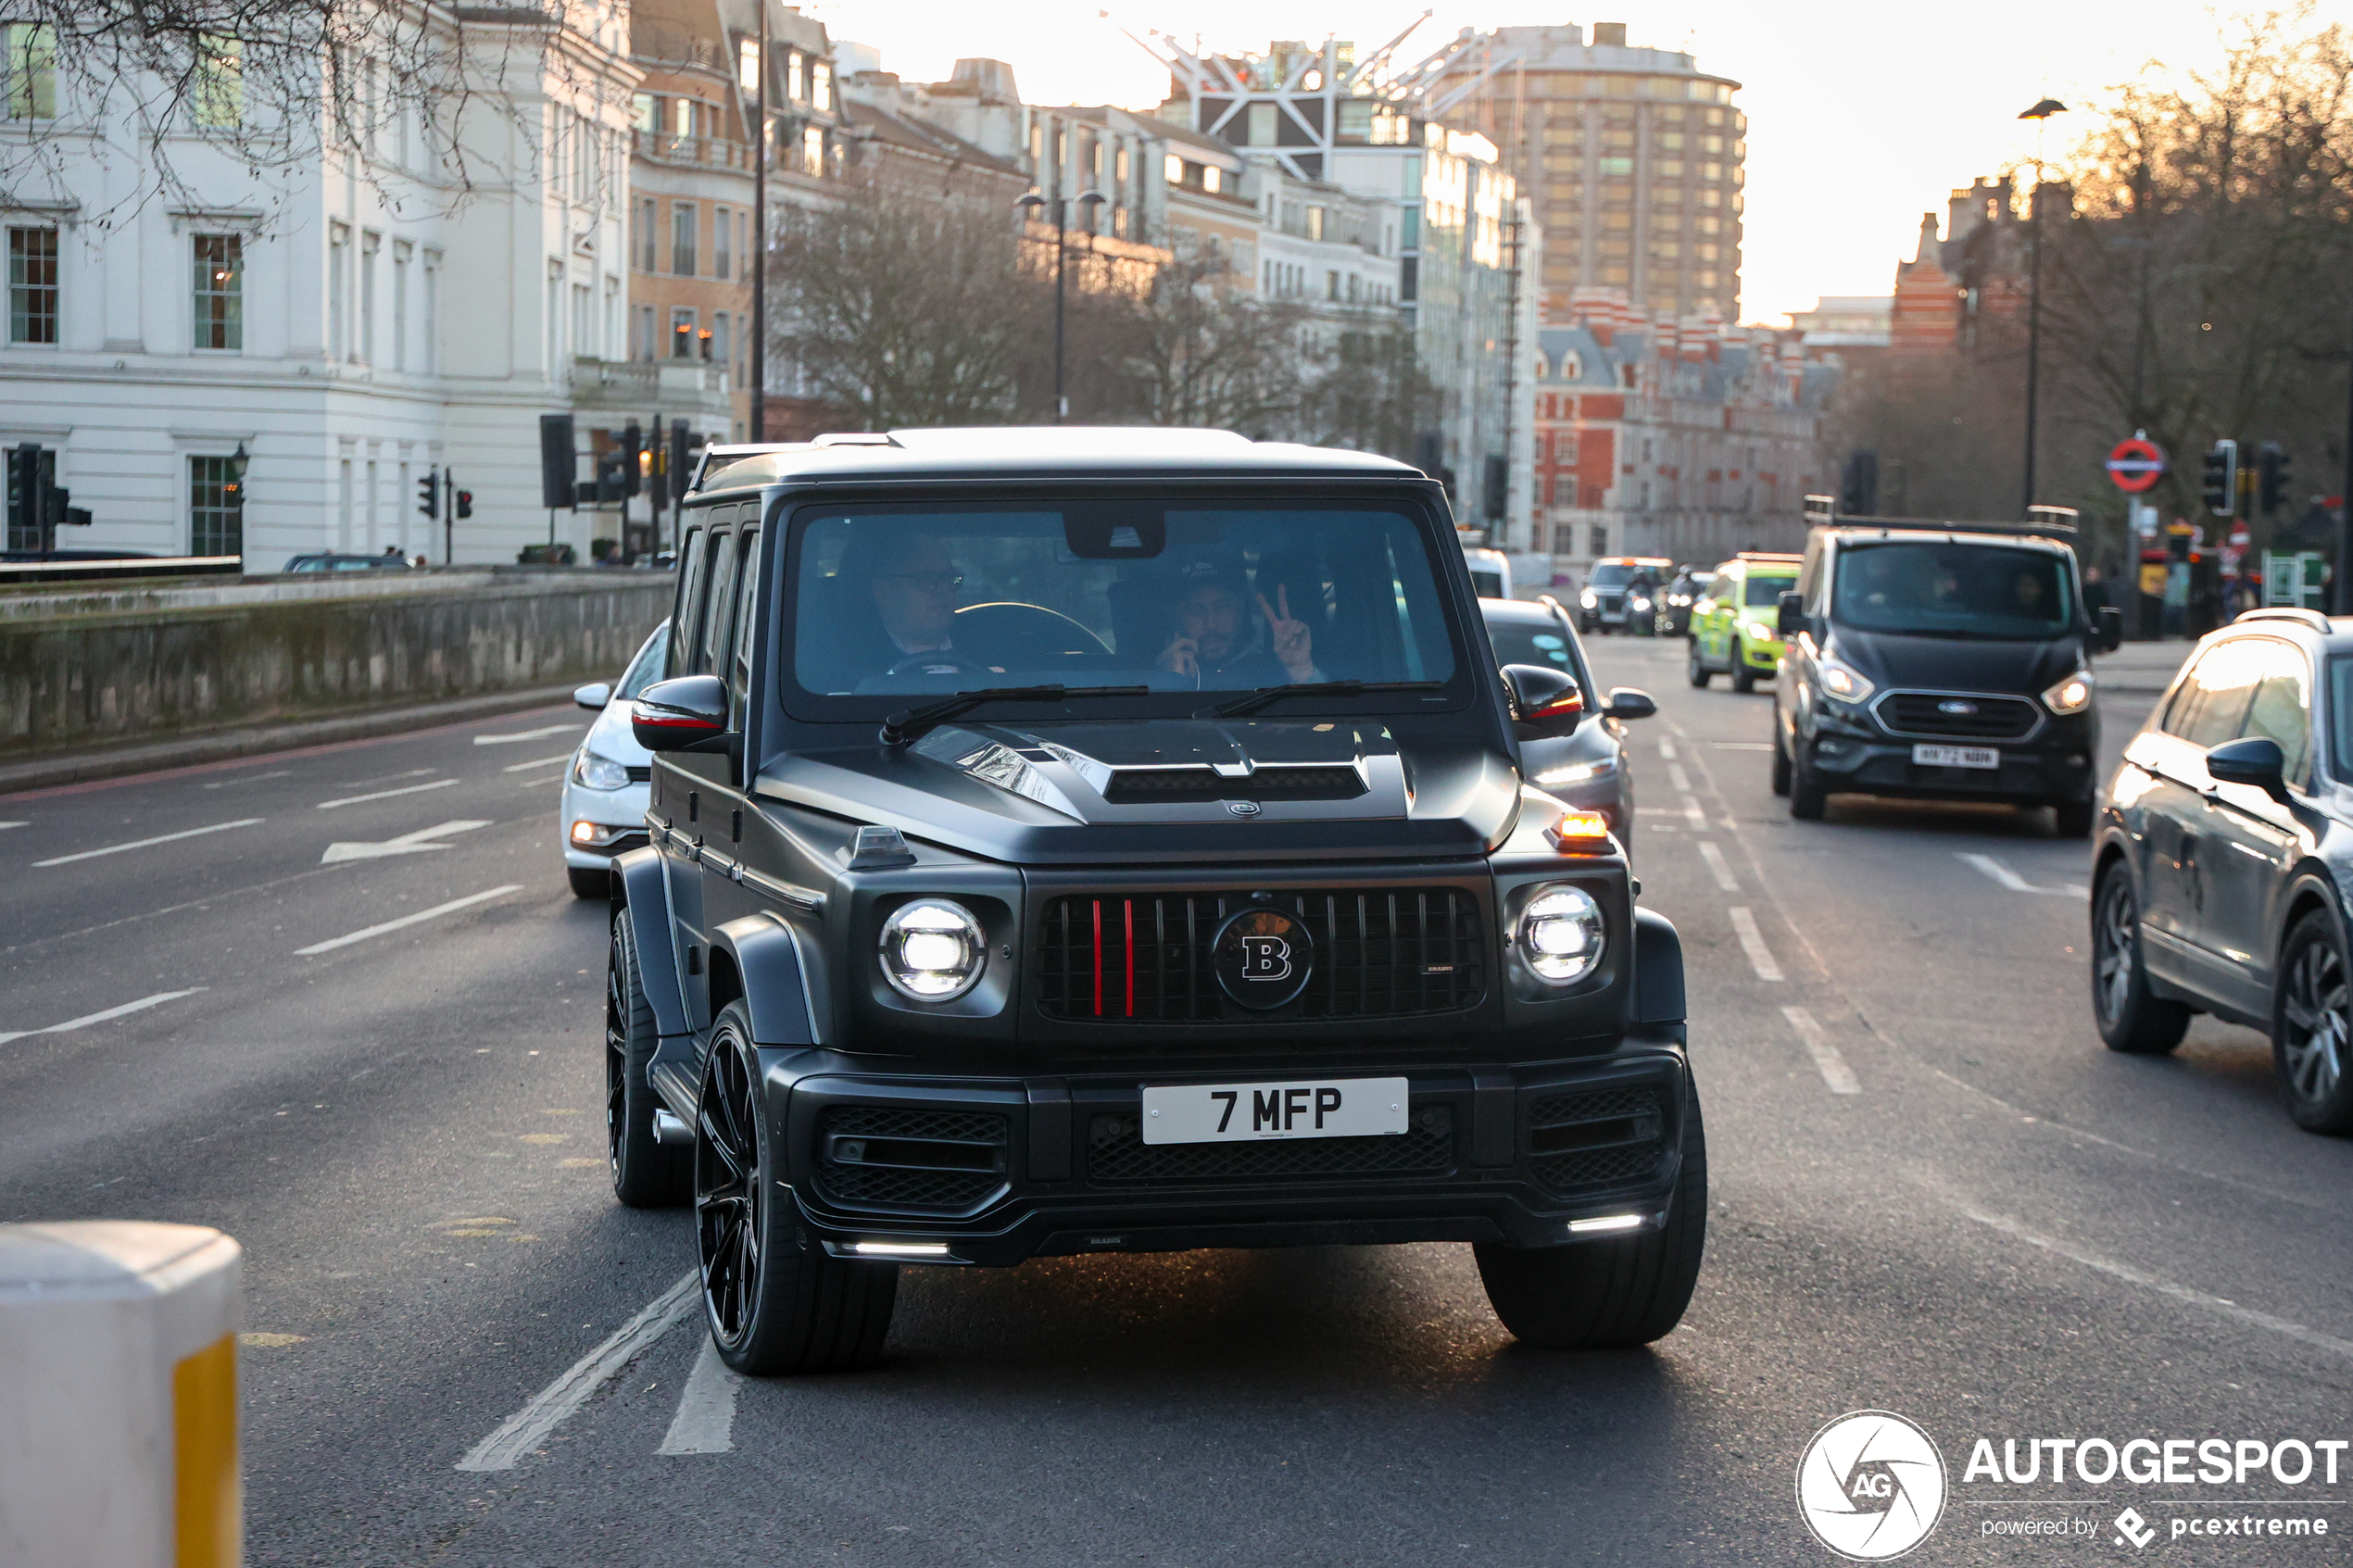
x=2271, y=475
x=429, y=493
x=465, y=503
x=2220, y=484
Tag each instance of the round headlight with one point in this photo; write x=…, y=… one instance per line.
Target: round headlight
x=1587, y=598
x=1560, y=936
x=933, y=950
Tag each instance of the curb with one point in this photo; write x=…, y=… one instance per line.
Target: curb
x=259, y=740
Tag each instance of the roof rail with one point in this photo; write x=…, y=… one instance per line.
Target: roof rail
x=2302, y=617
x=1821, y=511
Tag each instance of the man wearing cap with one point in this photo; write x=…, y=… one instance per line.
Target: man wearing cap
x=1220, y=644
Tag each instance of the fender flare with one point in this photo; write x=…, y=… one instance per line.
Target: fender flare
x=644, y=899
x=1658, y=969
x=767, y=959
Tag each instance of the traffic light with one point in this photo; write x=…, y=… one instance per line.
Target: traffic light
x=557, y=467
x=680, y=467
x=2221, y=482
x=1859, y=487
x=2272, y=475
x=633, y=456
x=610, y=483
x=429, y=493
x=1495, y=488
x=25, y=508
x=465, y=504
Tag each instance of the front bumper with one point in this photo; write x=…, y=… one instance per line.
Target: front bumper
x=619, y=814
x=2057, y=764
x=1047, y=1166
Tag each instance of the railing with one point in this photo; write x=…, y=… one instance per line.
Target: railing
x=636, y=383
x=710, y=152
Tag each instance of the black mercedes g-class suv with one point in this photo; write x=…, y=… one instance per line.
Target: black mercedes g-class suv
x=1071, y=841
x=1940, y=661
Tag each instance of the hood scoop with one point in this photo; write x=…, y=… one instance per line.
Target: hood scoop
x=1137, y=786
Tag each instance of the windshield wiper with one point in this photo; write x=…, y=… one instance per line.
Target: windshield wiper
x=904, y=726
x=1264, y=695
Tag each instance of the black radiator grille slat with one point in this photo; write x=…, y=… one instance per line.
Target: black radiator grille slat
x=1386, y=954
x=1994, y=718
x=1597, y=1138
x=923, y=1137
x=1116, y=1153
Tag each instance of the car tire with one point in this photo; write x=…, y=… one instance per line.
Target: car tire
x=1697, y=672
x=1807, y=796
x=1607, y=1295
x=775, y=1300
x=1781, y=757
x=2312, y=1028
x=2073, y=819
x=588, y=884
x=646, y=1175
x=1744, y=678
x=2132, y=1018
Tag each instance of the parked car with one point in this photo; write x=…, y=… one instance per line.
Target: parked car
x=2224, y=851
x=1686, y=588
x=1587, y=766
x=1620, y=592
x=1735, y=626
x=603, y=809
x=1940, y=661
x=1490, y=573
x=328, y=560
x=1033, y=871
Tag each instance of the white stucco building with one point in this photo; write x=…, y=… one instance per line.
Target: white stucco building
x=351, y=325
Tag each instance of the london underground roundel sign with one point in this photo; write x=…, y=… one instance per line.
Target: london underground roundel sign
x=2136, y=464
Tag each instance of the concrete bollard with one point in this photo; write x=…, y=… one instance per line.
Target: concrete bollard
x=118, y=1396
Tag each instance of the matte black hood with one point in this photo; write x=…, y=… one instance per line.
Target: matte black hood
x=1893, y=661
x=1167, y=790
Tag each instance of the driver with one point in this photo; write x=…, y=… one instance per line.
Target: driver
x=2028, y=593
x=912, y=585
x=1223, y=640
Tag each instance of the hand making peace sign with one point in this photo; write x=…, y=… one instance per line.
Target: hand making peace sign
x=1291, y=642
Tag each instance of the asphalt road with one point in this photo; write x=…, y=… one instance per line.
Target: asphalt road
x=2003, y=1231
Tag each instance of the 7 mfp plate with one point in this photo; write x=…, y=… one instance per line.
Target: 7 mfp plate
x=1956, y=756
x=1331, y=1108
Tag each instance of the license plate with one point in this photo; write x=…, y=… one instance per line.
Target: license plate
x=1342, y=1108
x=1956, y=756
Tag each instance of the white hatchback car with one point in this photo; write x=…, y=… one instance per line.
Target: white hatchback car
x=606, y=787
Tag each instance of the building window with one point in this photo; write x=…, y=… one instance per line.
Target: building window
x=220, y=291
x=721, y=348
x=369, y=245
x=649, y=252
x=338, y=290
x=812, y=149
x=221, y=83
x=31, y=70
x=682, y=334
x=743, y=243
x=215, y=508
x=645, y=347
x=401, y=253
x=33, y=285
x=645, y=111
x=1597, y=539
x=722, y=250
x=1172, y=169
x=429, y=349
x=684, y=227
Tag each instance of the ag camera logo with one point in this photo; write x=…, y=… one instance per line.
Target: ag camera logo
x=1870, y=1485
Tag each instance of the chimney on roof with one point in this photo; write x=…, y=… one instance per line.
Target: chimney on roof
x=991, y=81
x=1609, y=35
x=1928, y=247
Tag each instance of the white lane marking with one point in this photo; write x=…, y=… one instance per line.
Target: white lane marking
x=387, y=778
x=542, y=763
x=144, y=843
x=414, y=843
x=1680, y=779
x=2016, y=884
x=706, y=1420
x=1694, y=813
x=2130, y=1275
x=250, y=777
x=1667, y=748
x=142, y=1005
x=1835, y=1072
x=540, y=734
x=436, y=912
x=386, y=793
x=548, y=1408
x=5, y=826
x=1760, y=957
x=1742, y=744
x=1716, y=867
x=534, y=783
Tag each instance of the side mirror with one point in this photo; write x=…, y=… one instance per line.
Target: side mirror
x=1625, y=702
x=1793, y=616
x=2254, y=762
x=594, y=696
x=2108, y=636
x=673, y=715
x=1545, y=701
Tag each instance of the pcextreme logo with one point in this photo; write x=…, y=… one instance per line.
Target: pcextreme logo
x=1870, y=1485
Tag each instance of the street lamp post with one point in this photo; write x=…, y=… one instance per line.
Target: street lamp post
x=2040, y=114
x=759, y=246
x=1030, y=203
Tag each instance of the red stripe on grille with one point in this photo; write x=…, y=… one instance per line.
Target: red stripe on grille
x=1099, y=958
x=1129, y=906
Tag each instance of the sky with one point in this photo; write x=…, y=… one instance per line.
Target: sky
x=1861, y=117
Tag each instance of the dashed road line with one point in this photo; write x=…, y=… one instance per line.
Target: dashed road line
x=540, y=734
x=1741, y=744
x=249, y=778
x=534, y=783
x=1677, y=779
x=2130, y=1275
x=553, y=1405
x=146, y=842
x=384, y=793
x=1717, y=866
x=2016, y=884
x=1835, y=1072
x=1760, y=957
x=1667, y=748
x=542, y=763
x=1694, y=812
x=421, y=915
x=706, y=1420
x=124, y=1011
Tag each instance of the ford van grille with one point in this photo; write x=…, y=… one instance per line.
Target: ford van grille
x=1957, y=715
x=1145, y=958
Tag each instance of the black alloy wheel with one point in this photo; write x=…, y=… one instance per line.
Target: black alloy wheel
x=776, y=1301
x=1744, y=677
x=1808, y=797
x=2311, y=1037
x=646, y=1175
x=1696, y=668
x=2132, y=1018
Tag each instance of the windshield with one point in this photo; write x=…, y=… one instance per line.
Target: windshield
x=929, y=600
x=1611, y=575
x=1766, y=590
x=1952, y=590
x=651, y=663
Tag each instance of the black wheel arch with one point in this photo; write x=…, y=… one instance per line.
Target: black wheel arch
x=641, y=896
x=758, y=960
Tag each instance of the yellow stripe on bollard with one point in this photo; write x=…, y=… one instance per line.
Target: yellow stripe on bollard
x=204, y=1427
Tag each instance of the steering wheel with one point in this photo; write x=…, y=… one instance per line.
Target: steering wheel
x=929, y=663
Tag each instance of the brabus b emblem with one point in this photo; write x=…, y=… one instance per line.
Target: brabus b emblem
x=1262, y=958
x=1242, y=807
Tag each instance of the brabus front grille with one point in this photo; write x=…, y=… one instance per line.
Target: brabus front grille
x=1957, y=715
x=1145, y=958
